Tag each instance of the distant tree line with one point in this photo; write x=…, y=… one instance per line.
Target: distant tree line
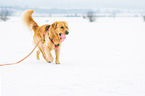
x=4, y=13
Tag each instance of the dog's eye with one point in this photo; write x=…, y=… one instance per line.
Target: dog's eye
x=67, y=28
x=62, y=27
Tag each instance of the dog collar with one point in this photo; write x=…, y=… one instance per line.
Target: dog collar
x=56, y=45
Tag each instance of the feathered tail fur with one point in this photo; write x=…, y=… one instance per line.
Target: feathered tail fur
x=28, y=20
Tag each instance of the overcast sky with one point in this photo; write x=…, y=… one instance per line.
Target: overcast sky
x=129, y=4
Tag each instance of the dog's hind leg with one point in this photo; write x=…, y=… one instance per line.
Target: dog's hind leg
x=41, y=49
x=37, y=55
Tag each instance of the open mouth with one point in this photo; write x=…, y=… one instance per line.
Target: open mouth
x=62, y=37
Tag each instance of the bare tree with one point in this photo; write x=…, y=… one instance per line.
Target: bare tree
x=4, y=12
x=91, y=16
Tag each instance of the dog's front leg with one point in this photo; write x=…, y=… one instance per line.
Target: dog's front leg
x=49, y=57
x=57, y=51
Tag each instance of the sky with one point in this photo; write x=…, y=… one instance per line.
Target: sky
x=126, y=4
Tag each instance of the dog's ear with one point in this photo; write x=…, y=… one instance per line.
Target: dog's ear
x=54, y=25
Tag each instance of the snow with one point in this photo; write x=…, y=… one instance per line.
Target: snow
x=103, y=58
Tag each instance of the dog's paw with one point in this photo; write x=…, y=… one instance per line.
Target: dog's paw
x=57, y=62
x=51, y=59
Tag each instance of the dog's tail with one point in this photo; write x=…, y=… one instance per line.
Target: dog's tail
x=28, y=20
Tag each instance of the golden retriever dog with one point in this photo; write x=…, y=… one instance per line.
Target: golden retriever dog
x=55, y=35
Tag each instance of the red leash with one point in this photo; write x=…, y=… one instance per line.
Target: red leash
x=28, y=54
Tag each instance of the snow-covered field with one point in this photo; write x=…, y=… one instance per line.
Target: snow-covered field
x=104, y=58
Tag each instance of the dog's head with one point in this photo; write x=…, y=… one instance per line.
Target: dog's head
x=61, y=29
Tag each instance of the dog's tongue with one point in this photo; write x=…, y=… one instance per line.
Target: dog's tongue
x=62, y=37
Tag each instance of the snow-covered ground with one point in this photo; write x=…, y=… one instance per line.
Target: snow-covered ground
x=104, y=58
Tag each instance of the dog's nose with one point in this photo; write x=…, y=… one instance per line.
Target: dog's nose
x=66, y=32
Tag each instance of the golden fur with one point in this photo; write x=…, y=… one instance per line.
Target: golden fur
x=54, y=30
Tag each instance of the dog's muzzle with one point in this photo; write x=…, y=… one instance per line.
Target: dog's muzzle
x=66, y=33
